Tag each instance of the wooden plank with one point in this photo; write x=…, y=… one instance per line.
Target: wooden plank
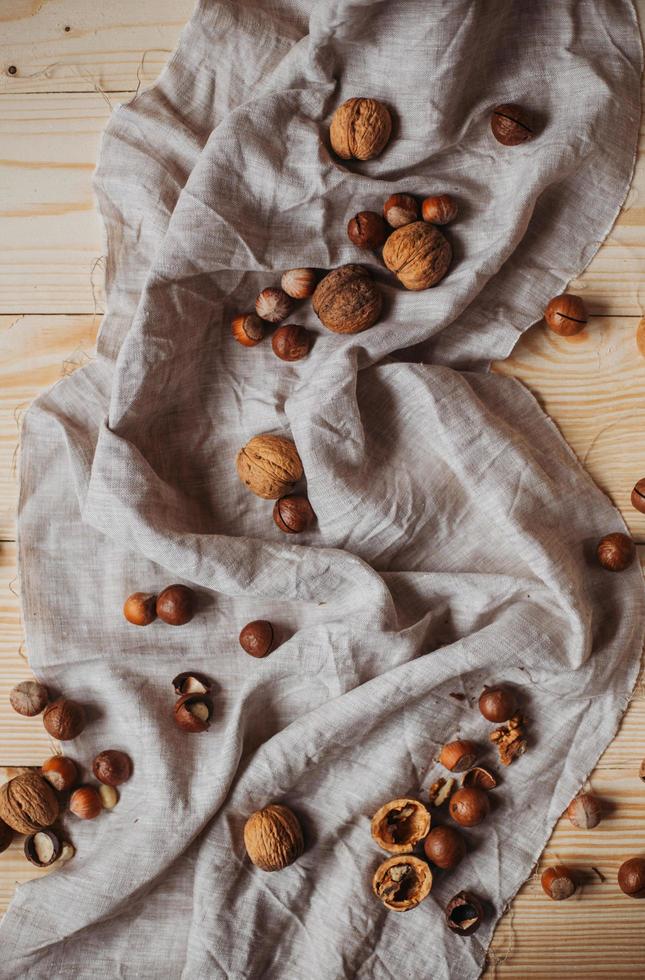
x=73, y=46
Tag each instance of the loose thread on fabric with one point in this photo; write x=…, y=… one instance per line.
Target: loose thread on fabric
x=141, y=65
x=496, y=959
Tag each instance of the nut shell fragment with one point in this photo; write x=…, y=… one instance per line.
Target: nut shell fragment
x=28, y=803
x=273, y=837
x=400, y=824
x=269, y=466
x=464, y=913
x=193, y=713
x=42, y=848
x=480, y=777
x=418, y=254
x=347, y=300
x=402, y=882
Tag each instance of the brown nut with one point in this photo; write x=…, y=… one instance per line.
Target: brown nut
x=139, y=608
x=400, y=209
x=299, y=283
x=6, y=836
x=347, y=300
x=28, y=698
x=418, y=254
x=402, y=882
x=480, y=777
x=360, y=129
x=441, y=790
x=585, y=811
x=293, y=514
x=616, y=552
x=291, y=342
x=445, y=847
x=191, y=682
x=273, y=837
x=257, y=638
x=400, y=824
x=440, y=209
x=566, y=315
x=64, y=719
x=469, y=806
x=558, y=882
x=112, y=767
x=43, y=848
x=497, y=703
x=85, y=803
x=511, y=125
x=367, y=229
x=28, y=803
x=510, y=739
x=638, y=496
x=247, y=329
x=273, y=304
x=641, y=771
x=458, y=756
x=176, y=605
x=193, y=713
x=464, y=913
x=631, y=877
x=60, y=772
x=269, y=466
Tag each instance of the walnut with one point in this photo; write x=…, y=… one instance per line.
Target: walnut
x=402, y=882
x=418, y=254
x=510, y=739
x=360, y=128
x=347, y=300
x=441, y=790
x=400, y=824
x=269, y=466
x=273, y=837
x=28, y=803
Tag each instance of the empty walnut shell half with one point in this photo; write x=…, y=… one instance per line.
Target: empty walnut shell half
x=400, y=824
x=28, y=803
x=402, y=882
x=347, y=300
x=273, y=837
x=360, y=129
x=269, y=466
x=43, y=848
x=418, y=254
x=464, y=913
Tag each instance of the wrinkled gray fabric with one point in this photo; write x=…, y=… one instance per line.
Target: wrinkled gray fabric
x=456, y=531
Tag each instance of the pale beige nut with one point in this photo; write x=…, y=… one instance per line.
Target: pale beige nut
x=402, y=882
x=273, y=837
x=347, y=300
x=360, y=129
x=400, y=824
x=28, y=803
x=109, y=796
x=441, y=790
x=299, y=283
x=269, y=466
x=418, y=254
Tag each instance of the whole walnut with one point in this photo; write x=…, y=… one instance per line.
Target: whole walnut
x=273, y=837
x=418, y=254
x=28, y=803
x=347, y=300
x=269, y=466
x=360, y=129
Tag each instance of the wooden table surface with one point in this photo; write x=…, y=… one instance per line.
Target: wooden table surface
x=64, y=64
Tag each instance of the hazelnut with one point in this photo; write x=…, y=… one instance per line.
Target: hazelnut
x=400, y=824
x=112, y=767
x=511, y=125
x=558, y=882
x=190, y=682
x=85, y=803
x=109, y=797
x=400, y=209
x=60, y=771
x=497, y=703
x=64, y=719
x=273, y=837
x=139, y=608
x=43, y=848
x=28, y=803
x=293, y=514
x=402, y=882
x=480, y=777
x=631, y=877
x=585, y=811
x=247, y=329
x=273, y=304
x=28, y=698
x=440, y=209
x=299, y=283
x=291, y=342
x=418, y=254
x=6, y=836
x=464, y=913
x=638, y=496
x=257, y=638
x=367, y=229
x=445, y=847
x=360, y=129
x=566, y=315
x=458, y=756
x=441, y=790
x=193, y=712
x=616, y=552
x=176, y=605
x=469, y=806
x=269, y=466
x=347, y=300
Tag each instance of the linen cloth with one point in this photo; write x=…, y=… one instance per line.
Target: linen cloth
x=455, y=535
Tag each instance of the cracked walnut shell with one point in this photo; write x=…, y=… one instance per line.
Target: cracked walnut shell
x=360, y=129
x=347, y=300
x=418, y=254
x=273, y=837
x=402, y=882
x=269, y=466
x=28, y=803
x=400, y=824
